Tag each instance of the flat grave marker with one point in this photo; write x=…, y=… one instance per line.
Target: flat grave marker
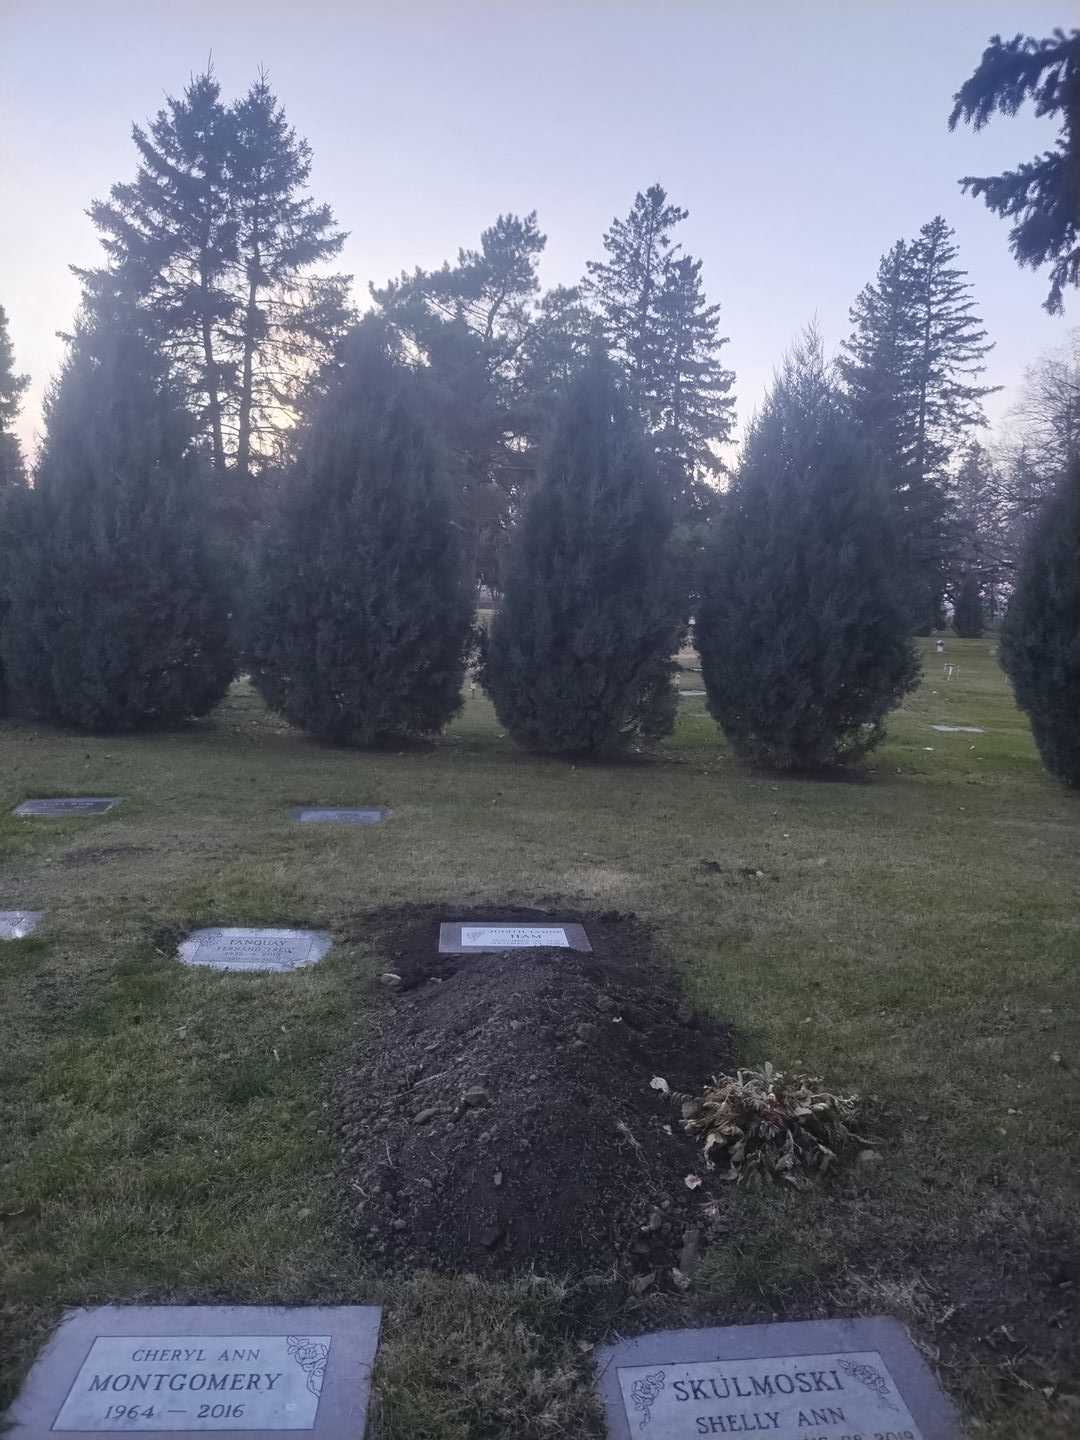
x=17, y=924
x=241, y=948
x=809, y=1380
x=327, y=815
x=959, y=729
x=188, y=1369
x=480, y=937
x=71, y=805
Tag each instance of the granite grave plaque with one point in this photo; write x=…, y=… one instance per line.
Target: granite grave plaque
x=238, y=948
x=326, y=815
x=810, y=1380
x=959, y=729
x=73, y=805
x=247, y=1369
x=691, y=692
x=17, y=924
x=468, y=937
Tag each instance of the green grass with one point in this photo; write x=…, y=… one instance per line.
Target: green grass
x=165, y=1133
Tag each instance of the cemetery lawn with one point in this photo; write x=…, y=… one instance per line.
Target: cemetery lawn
x=166, y=1134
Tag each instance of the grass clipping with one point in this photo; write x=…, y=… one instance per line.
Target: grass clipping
x=760, y=1125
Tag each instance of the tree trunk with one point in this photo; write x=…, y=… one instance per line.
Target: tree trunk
x=243, y=444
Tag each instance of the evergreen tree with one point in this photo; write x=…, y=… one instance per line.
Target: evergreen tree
x=1040, y=640
x=910, y=367
x=804, y=642
x=119, y=604
x=362, y=611
x=666, y=338
x=12, y=387
x=1041, y=196
x=968, y=608
x=981, y=523
x=579, y=656
x=468, y=325
x=212, y=243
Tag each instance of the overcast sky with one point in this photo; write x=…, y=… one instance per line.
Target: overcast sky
x=804, y=138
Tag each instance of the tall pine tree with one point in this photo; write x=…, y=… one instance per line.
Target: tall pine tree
x=1041, y=196
x=804, y=643
x=579, y=657
x=1040, y=639
x=910, y=368
x=12, y=388
x=362, y=610
x=119, y=614
x=666, y=338
x=12, y=473
x=213, y=243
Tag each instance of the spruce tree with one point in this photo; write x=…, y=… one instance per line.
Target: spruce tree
x=579, y=657
x=1040, y=639
x=119, y=615
x=667, y=340
x=910, y=367
x=804, y=643
x=12, y=472
x=1041, y=196
x=362, y=610
x=12, y=388
x=968, y=608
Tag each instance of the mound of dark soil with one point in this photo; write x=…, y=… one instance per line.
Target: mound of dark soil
x=500, y=1115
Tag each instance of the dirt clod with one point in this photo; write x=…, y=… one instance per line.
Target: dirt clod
x=499, y=1116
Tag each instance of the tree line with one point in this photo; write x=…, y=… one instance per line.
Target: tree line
x=235, y=464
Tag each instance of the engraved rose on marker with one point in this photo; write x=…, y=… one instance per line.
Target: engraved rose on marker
x=311, y=1356
x=643, y=1393
x=871, y=1377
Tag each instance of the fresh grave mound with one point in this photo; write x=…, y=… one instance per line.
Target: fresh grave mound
x=499, y=1115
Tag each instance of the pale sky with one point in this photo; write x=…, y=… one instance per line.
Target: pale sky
x=803, y=137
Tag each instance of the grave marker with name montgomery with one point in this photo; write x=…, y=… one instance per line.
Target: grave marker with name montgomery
x=809, y=1380
x=255, y=1370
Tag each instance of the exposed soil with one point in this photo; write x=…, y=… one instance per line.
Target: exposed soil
x=500, y=1116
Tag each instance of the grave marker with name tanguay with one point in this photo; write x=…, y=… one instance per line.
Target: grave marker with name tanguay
x=255, y=1370
x=810, y=1380
x=467, y=937
x=240, y=948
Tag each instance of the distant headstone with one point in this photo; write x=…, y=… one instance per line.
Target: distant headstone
x=467, y=937
x=76, y=805
x=237, y=948
x=247, y=1369
x=17, y=924
x=959, y=729
x=691, y=692
x=325, y=815
x=811, y=1380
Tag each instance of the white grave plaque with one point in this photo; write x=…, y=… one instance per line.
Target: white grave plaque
x=17, y=924
x=177, y=1382
x=75, y=805
x=775, y=1381
x=237, y=948
x=959, y=729
x=325, y=815
x=249, y=1370
x=466, y=937
x=513, y=937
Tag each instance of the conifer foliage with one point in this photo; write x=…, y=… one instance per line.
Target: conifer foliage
x=1040, y=640
x=362, y=609
x=803, y=640
x=579, y=657
x=968, y=608
x=119, y=605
